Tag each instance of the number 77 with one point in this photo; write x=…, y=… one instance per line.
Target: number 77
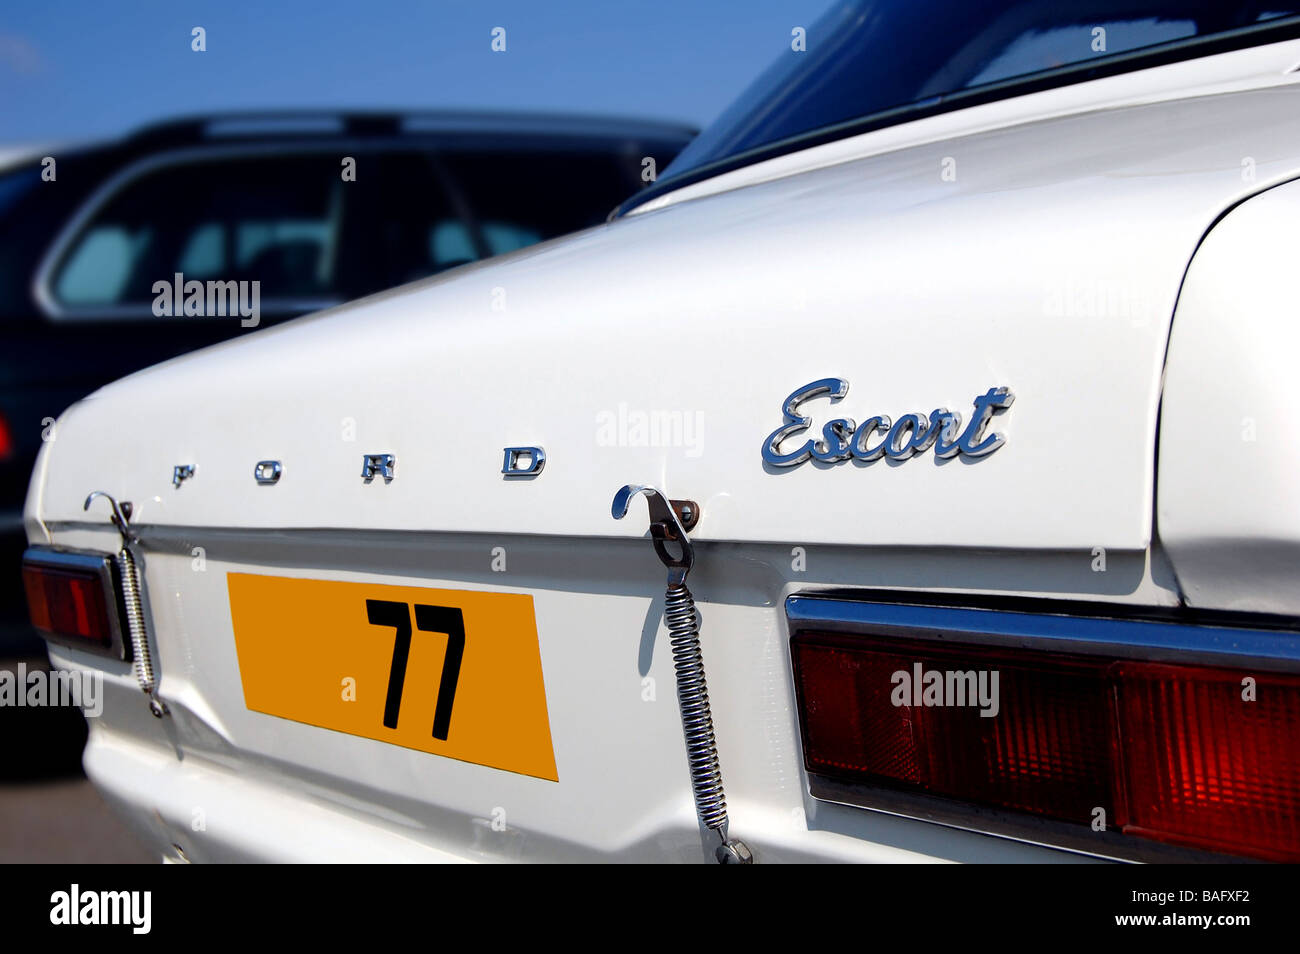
x=428, y=619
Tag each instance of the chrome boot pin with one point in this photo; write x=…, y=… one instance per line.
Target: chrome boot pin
x=669, y=521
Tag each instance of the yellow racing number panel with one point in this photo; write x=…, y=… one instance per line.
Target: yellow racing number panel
x=452, y=672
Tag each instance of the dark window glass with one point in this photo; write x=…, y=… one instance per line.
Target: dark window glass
x=513, y=200
x=412, y=214
x=272, y=220
x=865, y=58
x=397, y=198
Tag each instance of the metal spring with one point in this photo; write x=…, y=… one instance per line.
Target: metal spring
x=693, y=698
x=143, y=661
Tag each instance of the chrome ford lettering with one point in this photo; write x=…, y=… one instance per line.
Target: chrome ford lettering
x=911, y=434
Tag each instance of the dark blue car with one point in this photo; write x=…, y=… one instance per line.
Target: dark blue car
x=316, y=209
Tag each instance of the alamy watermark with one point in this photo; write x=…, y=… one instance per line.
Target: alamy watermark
x=211, y=299
x=1080, y=297
x=96, y=908
x=58, y=687
x=631, y=427
x=962, y=688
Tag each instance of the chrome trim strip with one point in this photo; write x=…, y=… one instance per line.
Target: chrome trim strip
x=1275, y=650
x=1024, y=828
x=72, y=559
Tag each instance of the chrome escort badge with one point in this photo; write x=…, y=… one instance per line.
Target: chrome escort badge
x=911, y=434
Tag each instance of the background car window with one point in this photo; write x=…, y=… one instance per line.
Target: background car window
x=392, y=213
x=513, y=201
x=450, y=241
x=272, y=220
x=99, y=268
x=502, y=237
x=204, y=255
x=413, y=214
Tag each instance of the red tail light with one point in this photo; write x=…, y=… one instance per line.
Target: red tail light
x=1170, y=753
x=6, y=439
x=72, y=598
x=1205, y=767
x=1040, y=752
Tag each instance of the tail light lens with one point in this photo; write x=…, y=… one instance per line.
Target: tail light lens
x=72, y=598
x=1176, y=754
x=6, y=439
x=1204, y=767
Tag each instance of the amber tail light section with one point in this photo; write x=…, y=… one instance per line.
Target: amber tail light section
x=1205, y=767
x=72, y=598
x=1201, y=757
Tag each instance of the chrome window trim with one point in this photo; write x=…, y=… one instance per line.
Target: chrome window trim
x=42, y=281
x=1269, y=32
x=1112, y=636
x=1236, y=647
x=103, y=564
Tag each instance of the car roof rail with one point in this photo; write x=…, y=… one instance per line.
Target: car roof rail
x=384, y=124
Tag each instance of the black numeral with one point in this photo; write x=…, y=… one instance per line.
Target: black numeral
x=444, y=619
x=388, y=613
x=428, y=619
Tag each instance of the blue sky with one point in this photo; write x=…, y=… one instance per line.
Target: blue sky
x=78, y=69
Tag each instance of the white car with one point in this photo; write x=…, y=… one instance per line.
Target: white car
x=951, y=373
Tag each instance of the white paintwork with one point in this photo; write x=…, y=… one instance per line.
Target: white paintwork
x=1229, y=511
x=622, y=793
x=919, y=291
